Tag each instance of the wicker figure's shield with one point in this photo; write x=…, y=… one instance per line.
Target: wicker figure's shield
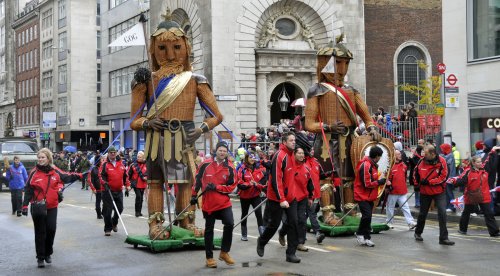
x=361, y=146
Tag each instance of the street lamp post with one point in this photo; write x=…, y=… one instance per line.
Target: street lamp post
x=284, y=100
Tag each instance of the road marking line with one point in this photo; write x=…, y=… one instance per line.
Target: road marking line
x=427, y=265
x=432, y=272
x=276, y=241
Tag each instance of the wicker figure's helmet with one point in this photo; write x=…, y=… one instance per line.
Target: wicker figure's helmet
x=341, y=54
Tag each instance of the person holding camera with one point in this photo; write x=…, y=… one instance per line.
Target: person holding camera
x=366, y=192
x=44, y=192
x=217, y=179
x=430, y=179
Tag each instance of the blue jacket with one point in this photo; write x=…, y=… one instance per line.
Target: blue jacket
x=17, y=177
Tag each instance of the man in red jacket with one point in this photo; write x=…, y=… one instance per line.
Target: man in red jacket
x=366, y=192
x=113, y=176
x=430, y=179
x=398, y=191
x=281, y=198
x=217, y=179
x=312, y=211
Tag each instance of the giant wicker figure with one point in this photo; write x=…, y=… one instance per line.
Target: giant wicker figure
x=331, y=112
x=169, y=126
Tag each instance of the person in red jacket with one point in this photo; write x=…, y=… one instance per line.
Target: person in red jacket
x=251, y=181
x=218, y=179
x=304, y=188
x=312, y=211
x=366, y=192
x=113, y=176
x=281, y=198
x=45, y=184
x=430, y=179
x=138, y=175
x=397, y=191
x=473, y=179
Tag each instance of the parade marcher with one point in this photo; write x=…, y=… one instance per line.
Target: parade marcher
x=452, y=172
x=17, y=176
x=477, y=192
x=456, y=155
x=479, y=145
x=95, y=184
x=218, y=179
x=281, y=199
x=366, y=192
x=138, y=175
x=430, y=179
x=331, y=112
x=83, y=166
x=304, y=188
x=251, y=181
x=417, y=155
x=312, y=211
x=113, y=176
x=61, y=162
x=397, y=191
x=170, y=115
x=44, y=192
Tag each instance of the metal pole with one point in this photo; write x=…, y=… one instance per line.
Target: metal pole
x=254, y=209
x=355, y=206
x=442, y=98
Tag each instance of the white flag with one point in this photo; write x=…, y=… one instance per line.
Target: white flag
x=330, y=67
x=132, y=37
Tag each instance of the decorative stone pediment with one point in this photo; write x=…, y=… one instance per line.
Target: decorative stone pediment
x=268, y=60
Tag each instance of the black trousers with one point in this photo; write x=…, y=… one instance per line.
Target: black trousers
x=45, y=232
x=312, y=214
x=245, y=206
x=108, y=208
x=272, y=218
x=489, y=218
x=364, y=228
x=16, y=197
x=301, y=222
x=139, y=197
x=226, y=216
x=425, y=204
x=98, y=199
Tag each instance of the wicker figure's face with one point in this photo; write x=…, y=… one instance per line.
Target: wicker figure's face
x=171, y=52
x=341, y=67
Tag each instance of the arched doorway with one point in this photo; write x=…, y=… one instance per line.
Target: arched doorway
x=293, y=92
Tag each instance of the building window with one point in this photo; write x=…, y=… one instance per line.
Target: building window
x=409, y=72
x=47, y=80
x=35, y=32
x=62, y=78
x=62, y=13
x=114, y=3
x=47, y=19
x=47, y=49
x=35, y=58
x=62, y=103
x=2, y=9
x=120, y=80
x=485, y=29
x=35, y=86
x=98, y=54
x=98, y=77
x=62, y=42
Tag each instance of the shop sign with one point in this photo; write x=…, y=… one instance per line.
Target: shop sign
x=493, y=123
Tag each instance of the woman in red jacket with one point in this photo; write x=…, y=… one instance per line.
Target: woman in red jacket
x=476, y=178
x=303, y=187
x=45, y=184
x=138, y=175
x=251, y=181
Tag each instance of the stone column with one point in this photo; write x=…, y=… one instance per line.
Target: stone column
x=263, y=114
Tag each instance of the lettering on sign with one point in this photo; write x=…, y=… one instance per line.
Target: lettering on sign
x=130, y=38
x=493, y=123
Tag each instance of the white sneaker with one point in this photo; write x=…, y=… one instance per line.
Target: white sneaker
x=412, y=225
x=361, y=240
x=369, y=243
x=473, y=215
x=448, y=210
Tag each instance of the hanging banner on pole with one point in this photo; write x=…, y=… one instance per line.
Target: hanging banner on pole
x=132, y=37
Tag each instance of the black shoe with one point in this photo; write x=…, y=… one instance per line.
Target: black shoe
x=19, y=214
x=418, y=237
x=320, y=237
x=244, y=238
x=260, y=248
x=99, y=216
x=40, y=263
x=138, y=215
x=446, y=242
x=462, y=232
x=115, y=228
x=292, y=259
x=497, y=234
x=48, y=259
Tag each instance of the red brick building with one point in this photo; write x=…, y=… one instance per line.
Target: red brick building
x=27, y=73
x=397, y=34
